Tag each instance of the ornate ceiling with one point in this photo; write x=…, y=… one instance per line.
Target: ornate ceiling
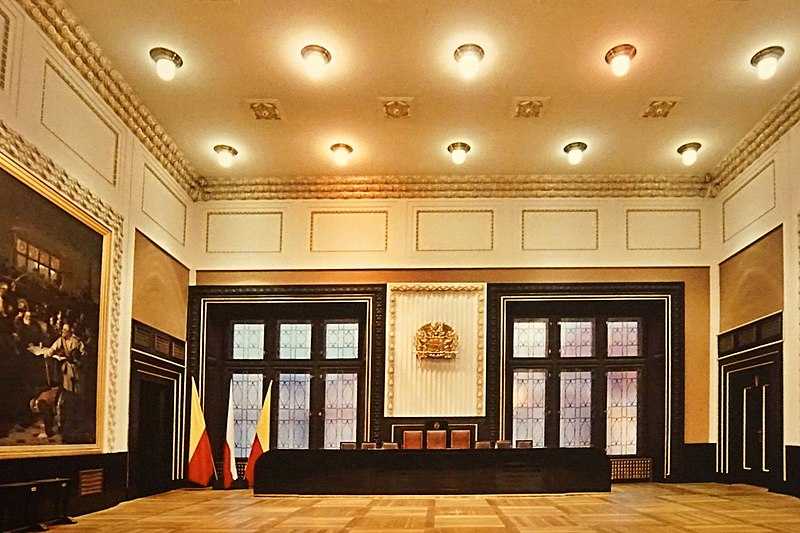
x=392, y=92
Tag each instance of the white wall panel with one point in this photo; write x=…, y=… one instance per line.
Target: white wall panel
x=751, y=201
x=163, y=205
x=244, y=232
x=454, y=230
x=76, y=123
x=560, y=229
x=349, y=231
x=453, y=387
x=663, y=229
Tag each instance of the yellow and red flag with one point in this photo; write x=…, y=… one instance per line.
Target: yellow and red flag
x=228, y=460
x=201, y=461
x=261, y=440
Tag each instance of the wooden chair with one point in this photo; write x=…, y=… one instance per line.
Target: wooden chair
x=412, y=439
x=346, y=445
x=525, y=443
x=390, y=446
x=460, y=438
x=436, y=439
x=503, y=444
x=483, y=445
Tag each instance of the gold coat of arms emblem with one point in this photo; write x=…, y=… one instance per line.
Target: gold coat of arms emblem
x=436, y=340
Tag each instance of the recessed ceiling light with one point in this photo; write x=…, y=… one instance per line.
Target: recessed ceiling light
x=620, y=57
x=458, y=152
x=341, y=153
x=468, y=57
x=167, y=62
x=766, y=61
x=226, y=155
x=688, y=153
x=574, y=152
x=315, y=58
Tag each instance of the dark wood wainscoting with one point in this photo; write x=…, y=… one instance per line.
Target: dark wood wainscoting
x=97, y=481
x=792, y=485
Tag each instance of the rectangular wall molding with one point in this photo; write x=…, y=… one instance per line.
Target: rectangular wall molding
x=244, y=232
x=454, y=230
x=163, y=206
x=663, y=229
x=78, y=125
x=751, y=201
x=349, y=231
x=560, y=229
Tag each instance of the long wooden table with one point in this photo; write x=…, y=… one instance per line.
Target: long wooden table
x=493, y=471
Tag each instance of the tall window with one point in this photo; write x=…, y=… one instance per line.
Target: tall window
x=248, y=341
x=340, y=408
x=31, y=258
x=295, y=341
x=247, y=401
x=562, y=369
x=294, y=402
x=341, y=340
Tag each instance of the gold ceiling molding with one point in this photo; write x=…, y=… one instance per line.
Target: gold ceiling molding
x=27, y=155
x=455, y=186
x=780, y=119
x=59, y=23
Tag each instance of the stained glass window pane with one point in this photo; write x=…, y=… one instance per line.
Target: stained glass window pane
x=621, y=412
x=529, y=406
x=295, y=341
x=340, y=409
x=248, y=341
x=530, y=338
x=247, y=401
x=623, y=338
x=576, y=338
x=341, y=340
x=294, y=392
x=576, y=409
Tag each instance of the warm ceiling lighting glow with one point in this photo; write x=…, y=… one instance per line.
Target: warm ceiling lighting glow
x=341, y=153
x=468, y=57
x=226, y=155
x=458, y=152
x=688, y=153
x=620, y=57
x=766, y=61
x=575, y=152
x=167, y=62
x=315, y=58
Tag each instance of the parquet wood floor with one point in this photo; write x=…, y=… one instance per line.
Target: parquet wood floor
x=629, y=508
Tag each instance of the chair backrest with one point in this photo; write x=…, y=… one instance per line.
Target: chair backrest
x=483, y=444
x=503, y=444
x=344, y=445
x=436, y=439
x=460, y=438
x=525, y=443
x=390, y=446
x=368, y=446
x=412, y=439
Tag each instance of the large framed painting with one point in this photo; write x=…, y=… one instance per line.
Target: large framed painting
x=54, y=283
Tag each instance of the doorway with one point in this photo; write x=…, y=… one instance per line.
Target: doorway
x=151, y=437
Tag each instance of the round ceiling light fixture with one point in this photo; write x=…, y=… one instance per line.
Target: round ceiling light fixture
x=458, y=152
x=468, y=57
x=167, y=62
x=315, y=58
x=620, y=57
x=766, y=61
x=341, y=153
x=575, y=151
x=688, y=153
x=226, y=155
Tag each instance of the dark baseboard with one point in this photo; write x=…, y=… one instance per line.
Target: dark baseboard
x=698, y=463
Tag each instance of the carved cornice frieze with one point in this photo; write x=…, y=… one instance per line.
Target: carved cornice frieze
x=451, y=186
x=780, y=119
x=60, y=25
x=27, y=155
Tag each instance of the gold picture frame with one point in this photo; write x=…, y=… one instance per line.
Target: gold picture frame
x=44, y=178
